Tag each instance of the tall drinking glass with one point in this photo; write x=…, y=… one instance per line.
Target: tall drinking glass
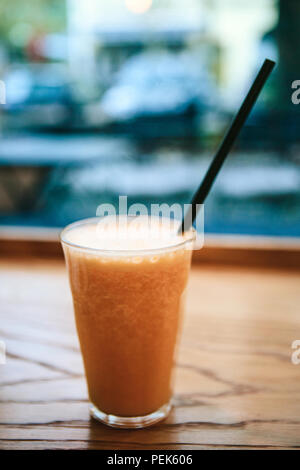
x=128, y=299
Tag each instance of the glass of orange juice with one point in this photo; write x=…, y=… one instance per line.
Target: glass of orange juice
x=127, y=283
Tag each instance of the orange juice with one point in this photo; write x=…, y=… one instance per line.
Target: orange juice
x=127, y=299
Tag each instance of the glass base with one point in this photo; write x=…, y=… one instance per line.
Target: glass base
x=134, y=422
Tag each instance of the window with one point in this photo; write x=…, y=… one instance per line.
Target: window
x=132, y=98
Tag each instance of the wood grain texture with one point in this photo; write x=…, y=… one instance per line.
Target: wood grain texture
x=235, y=384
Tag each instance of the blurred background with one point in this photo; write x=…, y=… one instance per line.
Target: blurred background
x=131, y=97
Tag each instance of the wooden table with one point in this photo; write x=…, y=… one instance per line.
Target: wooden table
x=236, y=386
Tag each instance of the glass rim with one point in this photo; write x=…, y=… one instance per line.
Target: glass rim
x=103, y=251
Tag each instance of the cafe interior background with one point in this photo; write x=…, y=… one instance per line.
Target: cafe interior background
x=131, y=97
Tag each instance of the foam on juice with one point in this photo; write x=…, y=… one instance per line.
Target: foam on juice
x=141, y=233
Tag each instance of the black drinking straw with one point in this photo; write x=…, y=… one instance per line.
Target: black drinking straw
x=227, y=144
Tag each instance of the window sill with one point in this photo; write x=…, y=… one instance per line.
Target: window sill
x=16, y=242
